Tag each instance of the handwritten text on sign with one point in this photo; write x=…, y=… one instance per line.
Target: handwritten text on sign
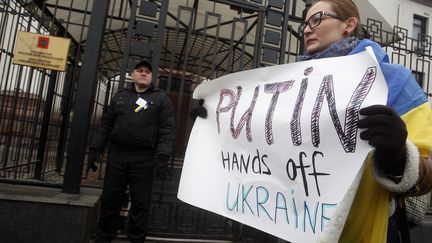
x=281, y=146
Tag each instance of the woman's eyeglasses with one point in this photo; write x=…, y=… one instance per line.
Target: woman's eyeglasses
x=315, y=20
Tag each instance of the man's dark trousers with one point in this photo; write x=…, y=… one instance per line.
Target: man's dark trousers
x=124, y=169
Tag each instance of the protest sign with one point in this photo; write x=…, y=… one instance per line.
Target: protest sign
x=280, y=146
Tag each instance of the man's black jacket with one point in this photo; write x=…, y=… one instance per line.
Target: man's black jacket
x=149, y=130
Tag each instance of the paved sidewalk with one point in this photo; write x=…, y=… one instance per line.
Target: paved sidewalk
x=423, y=233
x=419, y=234
x=160, y=240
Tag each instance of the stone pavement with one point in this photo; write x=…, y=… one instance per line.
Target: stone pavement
x=419, y=234
x=423, y=233
x=162, y=240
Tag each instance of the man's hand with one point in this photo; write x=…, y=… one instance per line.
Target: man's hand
x=161, y=166
x=387, y=132
x=92, y=157
x=201, y=110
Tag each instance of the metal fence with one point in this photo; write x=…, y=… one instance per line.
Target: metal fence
x=36, y=104
x=32, y=100
x=413, y=53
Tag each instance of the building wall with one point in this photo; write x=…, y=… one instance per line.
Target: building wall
x=401, y=13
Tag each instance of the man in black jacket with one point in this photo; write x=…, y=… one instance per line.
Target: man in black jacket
x=139, y=123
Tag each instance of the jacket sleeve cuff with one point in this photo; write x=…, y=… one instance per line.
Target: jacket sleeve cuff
x=410, y=175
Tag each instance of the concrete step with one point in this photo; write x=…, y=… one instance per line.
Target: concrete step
x=422, y=233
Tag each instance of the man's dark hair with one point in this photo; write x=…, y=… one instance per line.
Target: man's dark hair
x=143, y=63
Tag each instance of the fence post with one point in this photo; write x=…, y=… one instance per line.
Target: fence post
x=84, y=96
x=45, y=125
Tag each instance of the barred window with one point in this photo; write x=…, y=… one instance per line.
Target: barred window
x=419, y=76
x=419, y=27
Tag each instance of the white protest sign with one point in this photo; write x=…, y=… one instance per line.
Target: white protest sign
x=280, y=146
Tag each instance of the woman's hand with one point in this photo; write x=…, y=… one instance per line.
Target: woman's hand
x=387, y=132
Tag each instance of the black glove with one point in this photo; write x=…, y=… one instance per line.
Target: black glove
x=387, y=133
x=92, y=157
x=201, y=110
x=161, y=166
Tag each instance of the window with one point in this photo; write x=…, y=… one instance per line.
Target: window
x=419, y=77
x=419, y=35
x=419, y=27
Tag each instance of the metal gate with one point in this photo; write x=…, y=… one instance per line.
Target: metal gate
x=187, y=42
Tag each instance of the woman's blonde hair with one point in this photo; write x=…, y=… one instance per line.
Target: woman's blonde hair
x=346, y=9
